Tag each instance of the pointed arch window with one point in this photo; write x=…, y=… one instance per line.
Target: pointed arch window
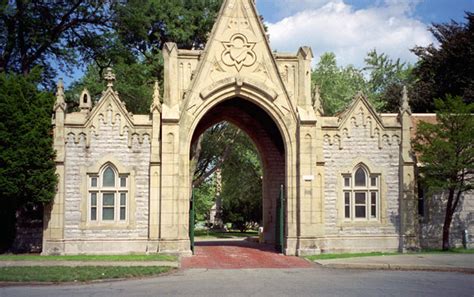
x=361, y=194
x=108, y=195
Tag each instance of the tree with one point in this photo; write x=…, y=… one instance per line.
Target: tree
x=446, y=150
x=213, y=148
x=225, y=146
x=447, y=68
x=27, y=168
x=51, y=34
x=386, y=80
x=145, y=26
x=204, y=197
x=242, y=185
x=139, y=31
x=337, y=84
x=134, y=85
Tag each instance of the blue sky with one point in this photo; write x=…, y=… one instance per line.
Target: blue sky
x=351, y=28
x=428, y=11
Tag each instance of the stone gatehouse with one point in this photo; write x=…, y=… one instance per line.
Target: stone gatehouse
x=349, y=180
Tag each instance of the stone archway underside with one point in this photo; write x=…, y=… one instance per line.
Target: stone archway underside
x=266, y=136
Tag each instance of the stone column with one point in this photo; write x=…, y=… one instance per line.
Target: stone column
x=409, y=239
x=155, y=171
x=310, y=174
x=53, y=224
x=174, y=201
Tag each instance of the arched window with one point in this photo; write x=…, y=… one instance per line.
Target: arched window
x=108, y=195
x=361, y=194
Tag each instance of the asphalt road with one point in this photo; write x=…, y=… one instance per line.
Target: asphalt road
x=269, y=282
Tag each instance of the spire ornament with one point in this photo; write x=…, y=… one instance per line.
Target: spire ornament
x=156, y=104
x=405, y=106
x=109, y=77
x=317, y=105
x=60, y=103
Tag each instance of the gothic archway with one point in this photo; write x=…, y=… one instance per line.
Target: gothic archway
x=266, y=136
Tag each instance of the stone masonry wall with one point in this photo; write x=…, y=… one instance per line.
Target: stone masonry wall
x=361, y=146
x=431, y=223
x=107, y=141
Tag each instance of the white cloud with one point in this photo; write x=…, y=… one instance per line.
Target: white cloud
x=350, y=33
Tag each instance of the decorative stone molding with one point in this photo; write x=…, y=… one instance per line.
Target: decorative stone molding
x=360, y=114
x=238, y=52
x=109, y=111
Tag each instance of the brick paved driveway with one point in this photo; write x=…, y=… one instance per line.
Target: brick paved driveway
x=239, y=255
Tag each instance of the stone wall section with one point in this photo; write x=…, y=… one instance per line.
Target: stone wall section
x=431, y=222
x=107, y=141
x=361, y=147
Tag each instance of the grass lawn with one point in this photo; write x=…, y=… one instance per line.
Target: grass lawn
x=134, y=257
x=72, y=274
x=216, y=234
x=354, y=255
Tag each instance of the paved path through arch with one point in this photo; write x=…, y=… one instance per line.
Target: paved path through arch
x=239, y=255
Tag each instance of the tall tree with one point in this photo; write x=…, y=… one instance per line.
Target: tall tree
x=134, y=85
x=27, y=169
x=226, y=147
x=386, y=80
x=446, y=150
x=204, y=198
x=140, y=29
x=447, y=68
x=242, y=185
x=337, y=84
x=51, y=34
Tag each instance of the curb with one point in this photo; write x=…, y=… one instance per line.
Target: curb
x=386, y=266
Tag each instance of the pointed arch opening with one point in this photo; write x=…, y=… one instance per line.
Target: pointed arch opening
x=255, y=123
x=361, y=194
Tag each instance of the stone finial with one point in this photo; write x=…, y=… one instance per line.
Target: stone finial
x=60, y=91
x=405, y=106
x=317, y=104
x=60, y=96
x=109, y=77
x=156, y=104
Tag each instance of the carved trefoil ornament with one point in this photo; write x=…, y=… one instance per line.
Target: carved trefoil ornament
x=238, y=52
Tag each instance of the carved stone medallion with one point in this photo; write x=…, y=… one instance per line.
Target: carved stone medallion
x=238, y=52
